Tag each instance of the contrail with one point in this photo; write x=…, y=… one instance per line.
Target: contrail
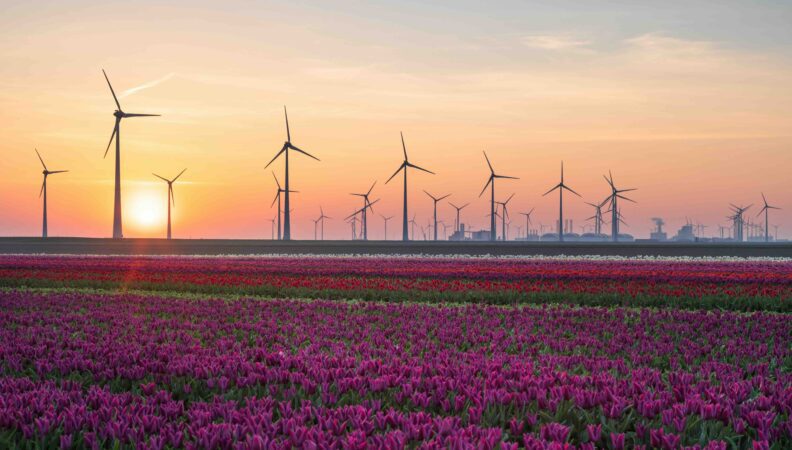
x=146, y=85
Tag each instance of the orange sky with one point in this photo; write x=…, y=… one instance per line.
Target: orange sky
x=692, y=119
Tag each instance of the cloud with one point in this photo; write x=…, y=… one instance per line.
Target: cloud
x=147, y=85
x=555, y=42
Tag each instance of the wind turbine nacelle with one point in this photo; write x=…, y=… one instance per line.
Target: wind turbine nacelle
x=118, y=114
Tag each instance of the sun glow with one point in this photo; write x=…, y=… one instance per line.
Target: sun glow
x=146, y=209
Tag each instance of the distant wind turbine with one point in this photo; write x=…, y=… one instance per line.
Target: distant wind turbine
x=362, y=211
x=285, y=151
x=386, y=219
x=363, y=215
x=435, y=200
x=458, y=209
x=561, y=186
x=766, y=208
x=43, y=191
x=597, y=217
x=412, y=227
x=171, y=198
x=278, y=199
x=491, y=181
x=505, y=214
x=322, y=218
x=527, y=221
x=614, y=210
x=119, y=114
x=404, y=166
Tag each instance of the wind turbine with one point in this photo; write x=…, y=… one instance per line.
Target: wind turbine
x=322, y=218
x=445, y=229
x=505, y=214
x=458, y=209
x=272, y=237
x=766, y=208
x=528, y=222
x=597, y=217
x=171, y=198
x=285, y=151
x=435, y=200
x=364, y=223
x=119, y=114
x=43, y=190
x=278, y=199
x=386, y=219
x=561, y=186
x=614, y=209
x=491, y=180
x=412, y=227
x=362, y=212
x=404, y=166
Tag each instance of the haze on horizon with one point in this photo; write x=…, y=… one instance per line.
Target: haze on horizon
x=690, y=102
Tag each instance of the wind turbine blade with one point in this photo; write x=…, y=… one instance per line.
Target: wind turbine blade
x=508, y=199
x=763, y=196
x=161, y=178
x=58, y=171
x=172, y=196
x=625, y=190
x=277, y=196
x=111, y=90
x=492, y=171
x=463, y=206
x=563, y=186
x=371, y=188
x=43, y=183
x=180, y=174
x=276, y=155
x=625, y=198
x=402, y=166
x=142, y=115
x=430, y=195
x=115, y=131
x=276, y=181
x=41, y=159
x=404, y=147
x=554, y=188
x=506, y=176
x=295, y=148
x=420, y=168
x=443, y=197
x=288, y=132
x=489, y=180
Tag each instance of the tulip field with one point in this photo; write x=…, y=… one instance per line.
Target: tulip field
x=379, y=352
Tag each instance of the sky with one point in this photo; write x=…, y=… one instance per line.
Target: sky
x=689, y=102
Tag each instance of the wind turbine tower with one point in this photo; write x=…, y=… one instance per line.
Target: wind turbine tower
x=285, y=151
x=491, y=181
x=766, y=209
x=435, y=200
x=119, y=114
x=171, y=198
x=404, y=166
x=43, y=191
x=561, y=186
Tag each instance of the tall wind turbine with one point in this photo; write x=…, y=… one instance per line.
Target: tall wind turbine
x=766, y=208
x=458, y=209
x=614, y=209
x=278, y=199
x=322, y=218
x=435, y=200
x=119, y=114
x=404, y=166
x=363, y=215
x=528, y=222
x=171, y=198
x=285, y=151
x=43, y=191
x=386, y=219
x=491, y=180
x=561, y=186
x=505, y=214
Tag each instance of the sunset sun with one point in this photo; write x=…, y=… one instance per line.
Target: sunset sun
x=146, y=209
